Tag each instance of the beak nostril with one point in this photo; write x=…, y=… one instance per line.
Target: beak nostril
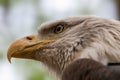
x=29, y=38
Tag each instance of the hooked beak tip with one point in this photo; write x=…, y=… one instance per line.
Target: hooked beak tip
x=9, y=58
x=9, y=61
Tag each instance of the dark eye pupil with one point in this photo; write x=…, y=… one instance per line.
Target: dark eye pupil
x=58, y=29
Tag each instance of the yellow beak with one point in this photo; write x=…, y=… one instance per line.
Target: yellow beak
x=26, y=46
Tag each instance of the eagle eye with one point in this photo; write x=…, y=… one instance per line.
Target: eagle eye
x=58, y=28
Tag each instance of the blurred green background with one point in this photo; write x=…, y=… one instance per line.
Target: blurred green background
x=19, y=18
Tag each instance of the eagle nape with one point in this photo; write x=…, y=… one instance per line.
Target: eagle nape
x=87, y=69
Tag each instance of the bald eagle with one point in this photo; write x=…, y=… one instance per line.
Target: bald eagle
x=59, y=43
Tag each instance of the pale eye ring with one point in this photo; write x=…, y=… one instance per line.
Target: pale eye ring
x=59, y=29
